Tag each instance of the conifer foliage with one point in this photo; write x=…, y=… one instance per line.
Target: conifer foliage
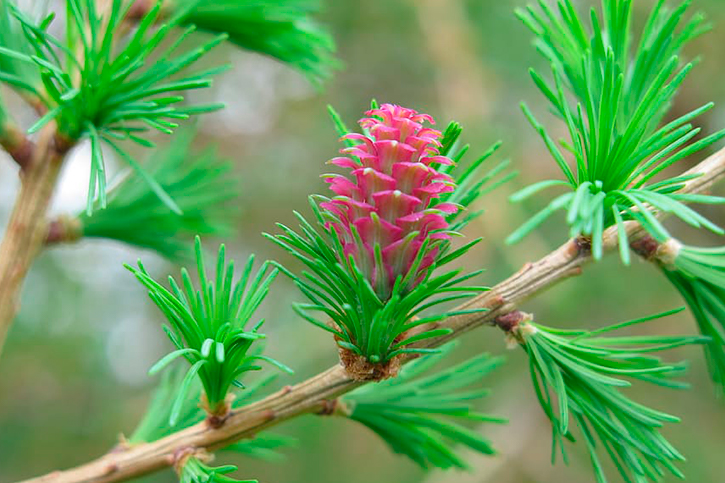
x=614, y=90
x=381, y=257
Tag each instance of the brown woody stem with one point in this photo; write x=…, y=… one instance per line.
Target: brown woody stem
x=27, y=228
x=314, y=395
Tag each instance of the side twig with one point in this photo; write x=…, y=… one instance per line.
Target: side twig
x=314, y=395
x=17, y=145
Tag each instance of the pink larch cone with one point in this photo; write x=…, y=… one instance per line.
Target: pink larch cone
x=389, y=204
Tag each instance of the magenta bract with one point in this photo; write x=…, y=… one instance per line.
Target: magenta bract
x=388, y=206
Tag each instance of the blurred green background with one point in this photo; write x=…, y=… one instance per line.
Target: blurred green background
x=73, y=376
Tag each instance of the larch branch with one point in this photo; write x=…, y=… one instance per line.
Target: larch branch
x=314, y=394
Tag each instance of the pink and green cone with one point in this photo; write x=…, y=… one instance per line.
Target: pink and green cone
x=371, y=255
x=387, y=209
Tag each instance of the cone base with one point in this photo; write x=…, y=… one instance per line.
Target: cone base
x=361, y=369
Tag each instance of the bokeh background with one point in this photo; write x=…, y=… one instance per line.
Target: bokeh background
x=73, y=376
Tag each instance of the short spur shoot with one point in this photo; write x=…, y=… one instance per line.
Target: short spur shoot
x=209, y=328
